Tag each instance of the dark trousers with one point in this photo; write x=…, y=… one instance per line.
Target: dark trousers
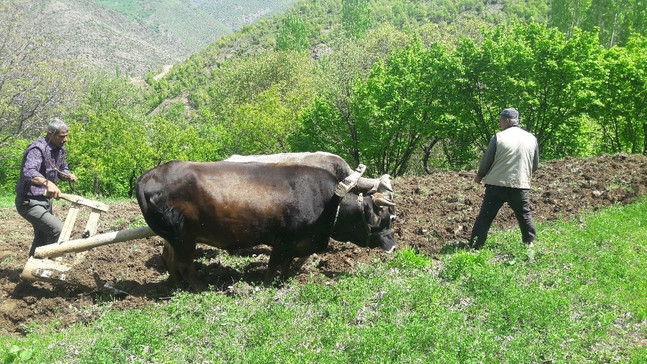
x=38, y=211
x=495, y=197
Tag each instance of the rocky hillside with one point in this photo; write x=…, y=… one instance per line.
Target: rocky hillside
x=134, y=37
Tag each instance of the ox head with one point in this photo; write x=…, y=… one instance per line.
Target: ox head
x=380, y=215
x=367, y=221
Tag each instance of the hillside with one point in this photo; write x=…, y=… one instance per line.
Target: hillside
x=135, y=37
x=196, y=23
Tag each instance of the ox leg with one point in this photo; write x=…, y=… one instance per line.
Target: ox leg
x=179, y=263
x=186, y=268
x=278, y=258
x=168, y=257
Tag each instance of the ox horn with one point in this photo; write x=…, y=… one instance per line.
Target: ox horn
x=381, y=200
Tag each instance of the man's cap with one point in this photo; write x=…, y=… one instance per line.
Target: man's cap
x=510, y=113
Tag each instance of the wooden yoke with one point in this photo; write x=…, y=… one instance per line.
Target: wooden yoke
x=349, y=182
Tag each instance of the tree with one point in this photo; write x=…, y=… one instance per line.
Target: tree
x=33, y=86
x=107, y=151
x=293, y=35
x=401, y=106
x=622, y=99
x=537, y=70
x=356, y=17
x=614, y=20
x=566, y=15
x=330, y=123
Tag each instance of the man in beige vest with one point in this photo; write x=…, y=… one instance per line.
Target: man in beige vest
x=506, y=169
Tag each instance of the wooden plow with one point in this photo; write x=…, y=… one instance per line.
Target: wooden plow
x=43, y=267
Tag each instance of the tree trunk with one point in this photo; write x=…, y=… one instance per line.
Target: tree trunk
x=427, y=154
x=95, y=186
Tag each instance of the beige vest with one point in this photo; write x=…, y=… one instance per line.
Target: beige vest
x=512, y=166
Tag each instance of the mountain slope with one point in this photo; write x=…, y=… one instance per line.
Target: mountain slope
x=134, y=37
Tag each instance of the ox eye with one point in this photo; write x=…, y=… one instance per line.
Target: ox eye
x=392, y=218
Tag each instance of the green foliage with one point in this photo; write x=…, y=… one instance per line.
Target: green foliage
x=621, y=99
x=293, y=35
x=108, y=151
x=356, y=17
x=580, y=299
x=10, y=170
x=615, y=20
x=330, y=123
x=402, y=105
x=535, y=69
x=263, y=127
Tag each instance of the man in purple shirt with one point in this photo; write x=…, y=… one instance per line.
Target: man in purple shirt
x=43, y=164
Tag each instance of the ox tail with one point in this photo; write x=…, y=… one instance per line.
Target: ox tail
x=164, y=219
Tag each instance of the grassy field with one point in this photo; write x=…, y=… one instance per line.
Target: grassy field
x=580, y=296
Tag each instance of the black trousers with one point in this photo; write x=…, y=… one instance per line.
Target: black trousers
x=495, y=197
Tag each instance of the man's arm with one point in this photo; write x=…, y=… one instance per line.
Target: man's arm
x=486, y=161
x=31, y=170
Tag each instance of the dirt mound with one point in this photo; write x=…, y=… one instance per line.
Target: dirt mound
x=433, y=212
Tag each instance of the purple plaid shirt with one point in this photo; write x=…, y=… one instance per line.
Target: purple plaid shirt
x=41, y=159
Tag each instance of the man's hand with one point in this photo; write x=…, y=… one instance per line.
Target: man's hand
x=478, y=179
x=52, y=190
x=72, y=177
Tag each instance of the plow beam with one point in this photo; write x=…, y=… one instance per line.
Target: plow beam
x=78, y=245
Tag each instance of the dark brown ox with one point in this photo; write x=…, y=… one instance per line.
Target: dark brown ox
x=292, y=208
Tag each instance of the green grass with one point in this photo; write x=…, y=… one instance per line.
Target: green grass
x=579, y=297
x=7, y=201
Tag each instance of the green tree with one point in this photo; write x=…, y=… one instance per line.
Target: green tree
x=548, y=78
x=108, y=151
x=567, y=15
x=608, y=16
x=356, y=17
x=171, y=136
x=263, y=127
x=293, y=35
x=330, y=123
x=615, y=20
x=622, y=98
x=33, y=85
x=401, y=106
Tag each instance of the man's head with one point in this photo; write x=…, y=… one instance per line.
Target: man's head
x=508, y=117
x=57, y=132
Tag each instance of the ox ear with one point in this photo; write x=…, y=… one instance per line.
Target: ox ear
x=381, y=200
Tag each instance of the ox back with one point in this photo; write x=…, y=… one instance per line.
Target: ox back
x=331, y=162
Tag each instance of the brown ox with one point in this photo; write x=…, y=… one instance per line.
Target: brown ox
x=230, y=205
